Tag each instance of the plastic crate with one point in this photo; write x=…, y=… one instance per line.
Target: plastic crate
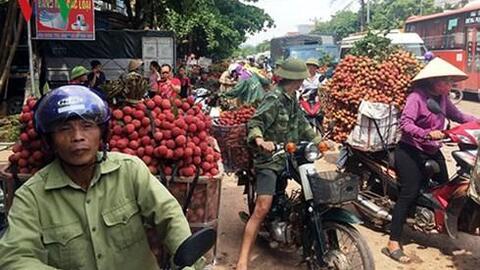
x=332, y=187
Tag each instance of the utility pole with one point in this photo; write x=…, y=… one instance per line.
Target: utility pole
x=362, y=15
x=421, y=7
x=368, y=12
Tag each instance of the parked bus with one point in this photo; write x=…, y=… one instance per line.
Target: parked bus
x=454, y=36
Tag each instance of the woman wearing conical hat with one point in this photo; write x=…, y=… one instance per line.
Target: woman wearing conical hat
x=421, y=132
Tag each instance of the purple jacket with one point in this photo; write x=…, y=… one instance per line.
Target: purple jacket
x=417, y=121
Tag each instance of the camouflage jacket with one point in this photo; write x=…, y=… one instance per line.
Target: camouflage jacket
x=279, y=119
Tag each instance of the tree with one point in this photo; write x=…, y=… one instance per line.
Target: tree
x=340, y=25
x=206, y=27
x=390, y=14
x=385, y=14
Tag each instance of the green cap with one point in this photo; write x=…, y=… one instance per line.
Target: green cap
x=78, y=71
x=292, y=69
x=312, y=61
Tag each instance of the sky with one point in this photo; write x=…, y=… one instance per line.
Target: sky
x=287, y=14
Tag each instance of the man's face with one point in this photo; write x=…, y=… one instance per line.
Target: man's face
x=97, y=68
x=204, y=76
x=312, y=69
x=83, y=78
x=181, y=72
x=165, y=73
x=77, y=141
x=196, y=70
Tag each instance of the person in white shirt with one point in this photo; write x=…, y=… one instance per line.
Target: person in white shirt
x=311, y=84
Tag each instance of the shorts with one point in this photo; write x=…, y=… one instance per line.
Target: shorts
x=266, y=182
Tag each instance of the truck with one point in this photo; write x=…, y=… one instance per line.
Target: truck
x=303, y=47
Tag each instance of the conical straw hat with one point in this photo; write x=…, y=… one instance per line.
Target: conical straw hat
x=440, y=68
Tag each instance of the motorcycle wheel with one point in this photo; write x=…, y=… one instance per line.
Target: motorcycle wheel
x=455, y=96
x=346, y=249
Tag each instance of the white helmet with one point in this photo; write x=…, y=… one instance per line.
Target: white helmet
x=232, y=67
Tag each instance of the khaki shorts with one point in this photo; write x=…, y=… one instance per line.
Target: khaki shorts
x=266, y=181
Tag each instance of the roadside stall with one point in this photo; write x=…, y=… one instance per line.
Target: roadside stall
x=171, y=136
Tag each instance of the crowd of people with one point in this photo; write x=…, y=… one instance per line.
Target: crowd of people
x=75, y=132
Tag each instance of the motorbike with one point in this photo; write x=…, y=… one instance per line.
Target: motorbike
x=310, y=103
x=311, y=106
x=3, y=218
x=208, y=99
x=439, y=208
x=192, y=249
x=310, y=219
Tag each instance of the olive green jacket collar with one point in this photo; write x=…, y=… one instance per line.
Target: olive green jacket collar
x=57, y=178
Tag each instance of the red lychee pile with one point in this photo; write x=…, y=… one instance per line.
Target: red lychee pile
x=166, y=133
x=28, y=153
x=237, y=117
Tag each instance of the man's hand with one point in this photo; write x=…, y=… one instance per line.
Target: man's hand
x=436, y=135
x=325, y=146
x=266, y=146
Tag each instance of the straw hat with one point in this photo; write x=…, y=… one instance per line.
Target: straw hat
x=438, y=68
x=134, y=64
x=292, y=69
x=312, y=61
x=77, y=72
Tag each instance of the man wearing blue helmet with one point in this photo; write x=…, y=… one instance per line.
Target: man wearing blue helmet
x=87, y=210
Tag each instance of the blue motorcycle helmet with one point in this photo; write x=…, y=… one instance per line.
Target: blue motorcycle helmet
x=67, y=103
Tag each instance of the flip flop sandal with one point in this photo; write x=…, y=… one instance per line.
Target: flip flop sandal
x=396, y=255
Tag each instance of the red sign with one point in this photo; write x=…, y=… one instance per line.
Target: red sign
x=65, y=19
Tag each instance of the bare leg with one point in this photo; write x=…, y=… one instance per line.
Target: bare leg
x=262, y=207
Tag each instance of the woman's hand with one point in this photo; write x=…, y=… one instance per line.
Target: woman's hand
x=436, y=135
x=266, y=146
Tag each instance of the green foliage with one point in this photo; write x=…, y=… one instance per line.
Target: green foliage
x=247, y=50
x=207, y=27
x=341, y=25
x=326, y=60
x=376, y=47
x=391, y=14
x=385, y=15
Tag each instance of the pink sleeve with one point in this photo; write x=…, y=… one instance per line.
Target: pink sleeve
x=409, y=116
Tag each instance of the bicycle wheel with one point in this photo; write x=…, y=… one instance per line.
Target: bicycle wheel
x=455, y=96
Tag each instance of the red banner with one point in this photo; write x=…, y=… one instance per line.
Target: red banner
x=65, y=19
x=26, y=9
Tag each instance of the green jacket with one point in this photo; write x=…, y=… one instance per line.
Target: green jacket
x=279, y=119
x=54, y=224
x=249, y=91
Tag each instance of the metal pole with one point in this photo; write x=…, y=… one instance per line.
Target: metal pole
x=30, y=55
x=368, y=12
x=421, y=7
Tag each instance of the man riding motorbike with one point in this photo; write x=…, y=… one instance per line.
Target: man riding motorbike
x=421, y=130
x=277, y=119
x=87, y=209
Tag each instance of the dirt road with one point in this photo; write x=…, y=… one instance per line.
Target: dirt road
x=428, y=251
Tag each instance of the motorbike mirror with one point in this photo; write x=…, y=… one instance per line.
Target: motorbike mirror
x=434, y=107
x=193, y=248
